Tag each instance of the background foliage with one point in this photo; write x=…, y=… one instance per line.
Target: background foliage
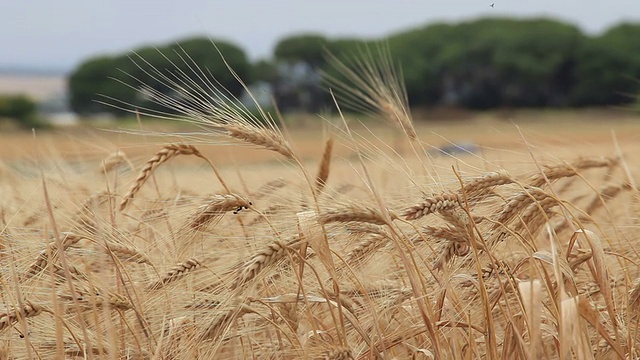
x=479, y=64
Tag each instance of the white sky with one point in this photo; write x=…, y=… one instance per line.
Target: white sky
x=47, y=34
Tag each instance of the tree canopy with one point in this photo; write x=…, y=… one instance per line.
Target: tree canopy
x=120, y=76
x=478, y=64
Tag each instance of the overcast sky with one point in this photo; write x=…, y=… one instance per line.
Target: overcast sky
x=59, y=34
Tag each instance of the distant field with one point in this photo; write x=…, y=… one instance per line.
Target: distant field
x=571, y=129
x=37, y=87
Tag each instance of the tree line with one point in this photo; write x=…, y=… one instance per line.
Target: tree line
x=480, y=64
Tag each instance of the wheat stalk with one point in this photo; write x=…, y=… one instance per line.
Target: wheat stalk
x=289, y=313
x=365, y=247
x=432, y=204
x=262, y=137
x=269, y=255
x=168, y=152
x=175, y=273
x=27, y=310
x=559, y=171
x=113, y=161
x=354, y=213
x=480, y=187
x=224, y=319
x=323, y=170
x=215, y=207
x=268, y=188
x=127, y=253
x=337, y=353
x=518, y=202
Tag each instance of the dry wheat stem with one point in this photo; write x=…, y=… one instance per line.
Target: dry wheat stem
x=168, y=152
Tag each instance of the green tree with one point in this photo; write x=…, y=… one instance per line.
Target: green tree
x=92, y=77
x=264, y=70
x=19, y=108
x=489, y=62
x=608, y=72
x=299, y=60
x=417, y=52
x=182, y=70
x=307, y=48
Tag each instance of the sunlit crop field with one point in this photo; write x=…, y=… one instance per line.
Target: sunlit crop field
x=331, y=239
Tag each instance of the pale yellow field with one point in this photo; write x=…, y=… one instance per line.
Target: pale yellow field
x=258, y=244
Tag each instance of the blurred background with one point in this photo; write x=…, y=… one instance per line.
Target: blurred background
x=457, y=57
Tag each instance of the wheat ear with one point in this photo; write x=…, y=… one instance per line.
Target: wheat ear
x=323, y=169
x=262, y=137
x=519, y=202
x=114, y=160
x=365, y=247
x=27, y=310
x=176, y=273
x=355, y=213
x=269, y=255
x=168, y=152
x=480, y=187
x=224, y=319
x=127, y=253
x=432, y=204
x=215, y=207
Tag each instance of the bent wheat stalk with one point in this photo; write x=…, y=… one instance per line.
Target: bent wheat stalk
x=355, y=213
x=177, y=272
x=262, y=137
x=27, y=310
x=271, y=254
x=168, y=152
x=216, y=206
x=430, y=205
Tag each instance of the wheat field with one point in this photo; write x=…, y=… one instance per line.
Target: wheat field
x=366, y=243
